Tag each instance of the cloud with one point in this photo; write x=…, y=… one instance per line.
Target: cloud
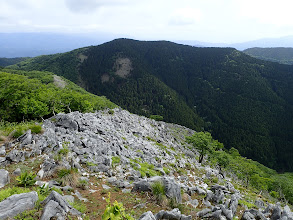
x=185, y=16
x=86, y=6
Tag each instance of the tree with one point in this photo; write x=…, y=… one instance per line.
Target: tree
x=203, y=142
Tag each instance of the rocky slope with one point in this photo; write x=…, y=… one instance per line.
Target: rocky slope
x=128, y=154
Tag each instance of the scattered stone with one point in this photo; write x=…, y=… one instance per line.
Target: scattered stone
x=174, y=214
x=17, y=172
x=147, y=216
x=142, y=186
x=106, y=187
x=56, y=206
x=17, y=204
x=259, y=204
x=26, y=138
x=2, y=151
x=79, y=196
x=126, y=190
x=173, y=190
x=69, y=198
x=4, y=177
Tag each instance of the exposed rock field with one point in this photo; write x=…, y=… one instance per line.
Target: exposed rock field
x=127, y=155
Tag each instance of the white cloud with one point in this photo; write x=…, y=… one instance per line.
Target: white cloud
x=185, y=16
x=212, y=20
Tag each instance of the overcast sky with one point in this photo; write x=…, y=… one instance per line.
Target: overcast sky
x=225, y=21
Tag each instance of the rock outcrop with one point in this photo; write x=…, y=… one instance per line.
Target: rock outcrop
x=17, y=204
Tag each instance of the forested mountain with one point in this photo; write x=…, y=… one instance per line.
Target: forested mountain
x=246, y=103
x=10, y=61
x=283, y=55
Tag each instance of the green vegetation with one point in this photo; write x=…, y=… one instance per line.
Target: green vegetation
x=252, y=174
x=33, y=95
x=18, y=129
x=157, y=117
x=246, y=103
x=158, y=190
x=283, y=55
x=5, y=193
x=68, y=177
x=26, y=179
x=145, y=169
x=204, y=143
x=115, y=211
x=10, y=61
x=115, y=160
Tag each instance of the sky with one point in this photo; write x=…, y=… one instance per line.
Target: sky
x=218, y=21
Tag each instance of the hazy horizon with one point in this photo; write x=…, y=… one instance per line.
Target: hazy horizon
x=213, y=21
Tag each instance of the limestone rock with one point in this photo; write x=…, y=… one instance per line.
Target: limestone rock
x=147, y=216
x=17, y=204
x=4, y=177
x=56, y=206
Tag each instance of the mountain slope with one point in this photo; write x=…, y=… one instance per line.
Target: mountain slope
x=10, y=61
x=246, y=103
x=34, y=95
x=281, y=55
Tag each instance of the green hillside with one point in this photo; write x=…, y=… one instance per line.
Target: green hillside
x=246, y=103
x=283, y=55
x=10, y=61
x=35, y=95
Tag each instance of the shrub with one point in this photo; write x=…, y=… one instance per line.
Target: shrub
x=157, y=117
x=26, y=179
x=115, y=160
x=83, y=184
x=111, y=111
x=68, y=177
x=275, y=194
x=18, y=132
x=115, y=211
x=36, y=129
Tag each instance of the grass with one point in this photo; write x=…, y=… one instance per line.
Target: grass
x=115, y=160
x=158, y=190
x=68, y=177
x=5, y=193
x=17, y=129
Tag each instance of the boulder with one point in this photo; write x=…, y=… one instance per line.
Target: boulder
x=4, y=177
x=276, y=212
x=287, y=213
x=142, y=186
x=173, y=189
x=247, y=216
x=17, y=204
x=203, y=212
x=147, y=216
x=233, y=203
x=56, y=206
x=174, y=214
x=15, y=156
x=26, y=138
x=17, y=172
x=2, y=151
x=66, y=121
x=259, y=204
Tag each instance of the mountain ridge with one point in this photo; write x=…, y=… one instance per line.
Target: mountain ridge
x=245, y=102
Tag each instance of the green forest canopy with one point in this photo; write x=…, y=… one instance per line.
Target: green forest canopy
x=33, y=95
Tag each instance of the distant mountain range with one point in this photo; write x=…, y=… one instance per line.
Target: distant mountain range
x=265, y=42
x=35, y=44
x=245, y=102
x=282, y=55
